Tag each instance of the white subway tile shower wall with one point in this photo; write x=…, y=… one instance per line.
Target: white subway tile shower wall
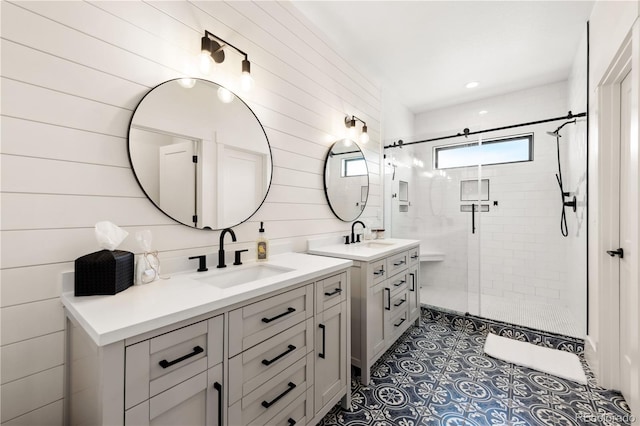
x=519, y=251
x=69, y=90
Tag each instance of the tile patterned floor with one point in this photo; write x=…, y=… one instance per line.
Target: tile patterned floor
x=437, y=374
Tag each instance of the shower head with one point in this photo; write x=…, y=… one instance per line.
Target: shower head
x=555, y=134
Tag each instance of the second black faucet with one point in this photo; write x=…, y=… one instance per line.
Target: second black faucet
x=221, y=263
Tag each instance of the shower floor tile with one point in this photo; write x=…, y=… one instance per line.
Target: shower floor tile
x=540, y=316
x=438, y=374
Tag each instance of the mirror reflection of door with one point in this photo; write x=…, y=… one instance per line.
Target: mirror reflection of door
x=177, y=177
x=239, y=169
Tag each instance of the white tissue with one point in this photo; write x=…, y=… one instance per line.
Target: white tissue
x=109, y=235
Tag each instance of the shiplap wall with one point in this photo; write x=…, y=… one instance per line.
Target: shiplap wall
x=72, y=74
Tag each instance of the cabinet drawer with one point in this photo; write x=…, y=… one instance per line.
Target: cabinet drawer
x=397, y=324
x=378, y=271
x=398, y=302
x=259, y=321
x=331, y=291
x=273, y=396
x=397, y=262
x=414, y=255
x=399, y=282
x=299, y=412
x=155, y=365
x=260, y=363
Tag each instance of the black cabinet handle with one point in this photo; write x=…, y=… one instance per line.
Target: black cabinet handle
x=291, y=422
x=166, y=364
x=400, y=323
x=336, y=291
x=268, y=320
x=380, y=272
x=414, y=256
x=413, y=281
x=618, y=252
x=398, y=263
x=217, y=386
x=290, y=349
x=399, y=283
x=268, y=404
x=388, y=308
x=399, y=303
x=324, y=342
x=473, y=218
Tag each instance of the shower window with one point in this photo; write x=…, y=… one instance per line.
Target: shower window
x=513, y=149
x=354, y=167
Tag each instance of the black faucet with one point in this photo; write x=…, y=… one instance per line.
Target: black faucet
x=221, y=249
x=353, y=227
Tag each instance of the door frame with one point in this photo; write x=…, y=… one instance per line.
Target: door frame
x=602, y=348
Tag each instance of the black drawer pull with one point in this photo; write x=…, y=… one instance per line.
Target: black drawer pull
x=413, y=282
x=166, y=364
x=336, y=291
x=324, y=335
x=398, y=263
x=291, y=422
x=388, y=308
x=399, y=283
x=217, y=386
x=414, y=256
x=290, y=349
x=268, y=320
x=400, y=323
x=380, y=272
x=399, y=303
x=291, y=387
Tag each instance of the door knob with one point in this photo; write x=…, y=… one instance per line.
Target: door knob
x=618, y=252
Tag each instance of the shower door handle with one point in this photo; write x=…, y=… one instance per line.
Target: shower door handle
x=473, y=218
x=618, y=252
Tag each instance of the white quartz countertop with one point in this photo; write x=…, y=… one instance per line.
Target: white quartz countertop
x=143, y=308
x=365, y=251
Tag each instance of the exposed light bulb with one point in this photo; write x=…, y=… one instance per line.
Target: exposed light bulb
x=364, y=137
x=225, y=95
x=246, y=81
x=348, y=142
x=187, y=83
x=352, y=133
x=205, y=62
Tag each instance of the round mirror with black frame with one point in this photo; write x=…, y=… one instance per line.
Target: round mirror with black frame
x=200, y=154
x=346, y=180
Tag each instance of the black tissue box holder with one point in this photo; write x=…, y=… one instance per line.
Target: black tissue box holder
x=103, y=272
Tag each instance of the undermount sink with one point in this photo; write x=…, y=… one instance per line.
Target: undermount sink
x=376, y=244
x=230, y=277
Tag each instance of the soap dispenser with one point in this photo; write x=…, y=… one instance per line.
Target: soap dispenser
x=262, y=245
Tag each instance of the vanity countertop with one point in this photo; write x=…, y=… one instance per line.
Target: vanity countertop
x=143, y=308
x=365, y=251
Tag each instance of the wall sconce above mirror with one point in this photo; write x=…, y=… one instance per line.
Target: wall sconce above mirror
x=204, y=163
x=346, y=180
x=212, y=51
x=350, y=123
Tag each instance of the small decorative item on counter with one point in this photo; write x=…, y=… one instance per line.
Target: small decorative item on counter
x=377, y=233
x=107, y=271
x=262, y=245
x=147, y=263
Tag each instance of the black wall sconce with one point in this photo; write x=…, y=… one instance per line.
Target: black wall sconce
x=350, y=123
x=212, y=49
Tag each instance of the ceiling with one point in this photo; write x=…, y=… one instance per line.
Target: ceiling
x=427, y=51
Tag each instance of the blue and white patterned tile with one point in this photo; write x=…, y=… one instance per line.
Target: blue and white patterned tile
x=437, y=374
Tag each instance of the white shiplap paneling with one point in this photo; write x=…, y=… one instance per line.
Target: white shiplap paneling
x=66, y=105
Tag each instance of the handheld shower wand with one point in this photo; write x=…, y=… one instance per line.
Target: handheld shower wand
x=572, y=203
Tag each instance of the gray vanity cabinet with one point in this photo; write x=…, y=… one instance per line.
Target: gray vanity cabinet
x=385, y=300
x=277, y=359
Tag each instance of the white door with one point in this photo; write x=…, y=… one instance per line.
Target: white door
x=626, y=233
x=240, y=169
x=178, y=181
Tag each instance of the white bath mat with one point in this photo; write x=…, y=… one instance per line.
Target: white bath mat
x=553, y=361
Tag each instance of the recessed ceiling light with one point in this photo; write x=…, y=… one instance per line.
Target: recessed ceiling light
x=471, y=84
x=483, y=112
